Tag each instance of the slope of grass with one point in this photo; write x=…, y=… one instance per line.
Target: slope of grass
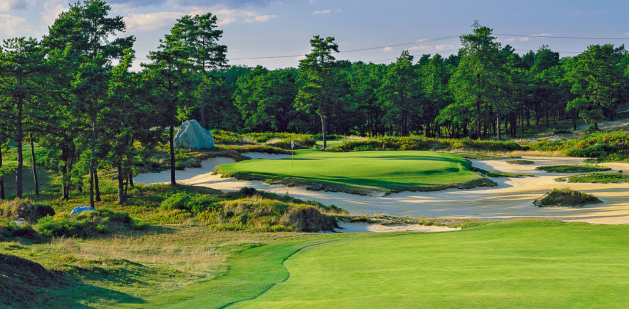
x=515, y=264
x=361, y=172
x=595, y=178
x=584, y=168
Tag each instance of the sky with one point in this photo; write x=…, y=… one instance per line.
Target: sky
x=276, y=33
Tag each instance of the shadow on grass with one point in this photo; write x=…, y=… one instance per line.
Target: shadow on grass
x=26, y=284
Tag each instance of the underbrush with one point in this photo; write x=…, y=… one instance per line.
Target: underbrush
x=276, y=140
x=424, y=143
x=572, y=168
x=601, y=146
x=566, y=197
x=595, y=178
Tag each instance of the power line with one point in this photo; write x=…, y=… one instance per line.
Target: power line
x=560, y=37
x=360, y=49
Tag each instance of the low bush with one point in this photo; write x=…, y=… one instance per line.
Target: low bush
x=11, y=230
x=88, y=224
x=565, y=197
x=424, y=143
x=195, y=203
x=25, y=209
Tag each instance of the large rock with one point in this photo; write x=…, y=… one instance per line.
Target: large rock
x=192, y=135
x=81, y=209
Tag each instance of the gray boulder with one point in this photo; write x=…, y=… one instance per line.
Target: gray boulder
x=192, y=135
x=81, y=209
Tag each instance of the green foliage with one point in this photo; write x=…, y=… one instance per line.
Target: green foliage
x=566, y=197
x=602, y=146
x=195, y=203
x=572, y=168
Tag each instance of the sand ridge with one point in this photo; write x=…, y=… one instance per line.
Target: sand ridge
x=511, y=199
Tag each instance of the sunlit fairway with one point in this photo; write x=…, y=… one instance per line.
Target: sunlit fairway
x=517, y=264
x=381, y=170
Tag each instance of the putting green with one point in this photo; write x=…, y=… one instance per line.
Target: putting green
x=521, y=264
x=383, y=170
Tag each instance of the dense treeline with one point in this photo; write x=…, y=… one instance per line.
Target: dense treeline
x=73, y=93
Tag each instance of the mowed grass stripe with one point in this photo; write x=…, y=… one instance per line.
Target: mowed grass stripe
x=383, y=170
x=522, y=264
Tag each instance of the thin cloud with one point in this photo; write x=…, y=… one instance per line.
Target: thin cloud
x=260, y=18
x=524, y=39
x=422, y=40
x=420, y=47
x=13, y=25
x=388, y=49
x=151, y=21
x=321, y=12
x=444, y=47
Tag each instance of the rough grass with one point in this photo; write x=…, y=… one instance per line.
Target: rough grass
x=572, y=168
x=595, y=178
x=496, y=174
x=362, y=172
x=566, y=197
x=514, y=264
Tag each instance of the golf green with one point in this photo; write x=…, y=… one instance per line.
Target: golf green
x=516, y=264
x=391, y=171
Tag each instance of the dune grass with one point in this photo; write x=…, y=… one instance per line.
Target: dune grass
x=583, y=168
x=513, y=264
x=566, y=197
x=361, y=172
x=595, y=178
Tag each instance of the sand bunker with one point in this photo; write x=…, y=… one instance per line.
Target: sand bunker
x=511, y=199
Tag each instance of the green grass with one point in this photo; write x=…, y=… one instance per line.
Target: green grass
x=515, y=264
x=572, y=168
x=595, y=178
x=361, y=172
x=331, y=142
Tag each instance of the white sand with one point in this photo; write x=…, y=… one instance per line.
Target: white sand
x=511, y=199
x=362, y=227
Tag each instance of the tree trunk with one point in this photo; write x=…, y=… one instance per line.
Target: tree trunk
x=322, y=116
x=92, y=161
x=20, y=159
x=203, y=122
x=172, y=156
x=96, y=186
x=498, y=126
x=122, y=199
x=2, y=197
x=34, y=165
x=131, y=180
x=64, y=173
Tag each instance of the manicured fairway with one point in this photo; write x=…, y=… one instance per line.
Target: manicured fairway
x=383, y=170
x=521, y=264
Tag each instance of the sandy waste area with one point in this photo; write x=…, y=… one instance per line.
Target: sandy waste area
x=511, y=199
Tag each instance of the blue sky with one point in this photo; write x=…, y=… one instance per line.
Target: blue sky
x=263, y=29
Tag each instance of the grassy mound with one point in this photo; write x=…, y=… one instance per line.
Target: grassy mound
x=496, y=174
x=250, y=210
x=362, y=172
x=595, y=178
x=602, y=146
x=566, y=197
x=513, y=264
x=23, y=281
x=520, y=162
x=572, y=168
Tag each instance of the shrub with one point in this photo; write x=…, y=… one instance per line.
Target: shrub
x=247, y=191
x=24, y=208
x=84, y=225
x=565, y=197
x=424, y=143
x=176, y=201
x=195, y=203
x=12, y=230
x=308, y=219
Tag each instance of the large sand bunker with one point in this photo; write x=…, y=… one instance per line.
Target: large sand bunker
x=511, y=199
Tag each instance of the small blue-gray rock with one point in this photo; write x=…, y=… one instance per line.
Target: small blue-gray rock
x=81, y=209
x=192, y=135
